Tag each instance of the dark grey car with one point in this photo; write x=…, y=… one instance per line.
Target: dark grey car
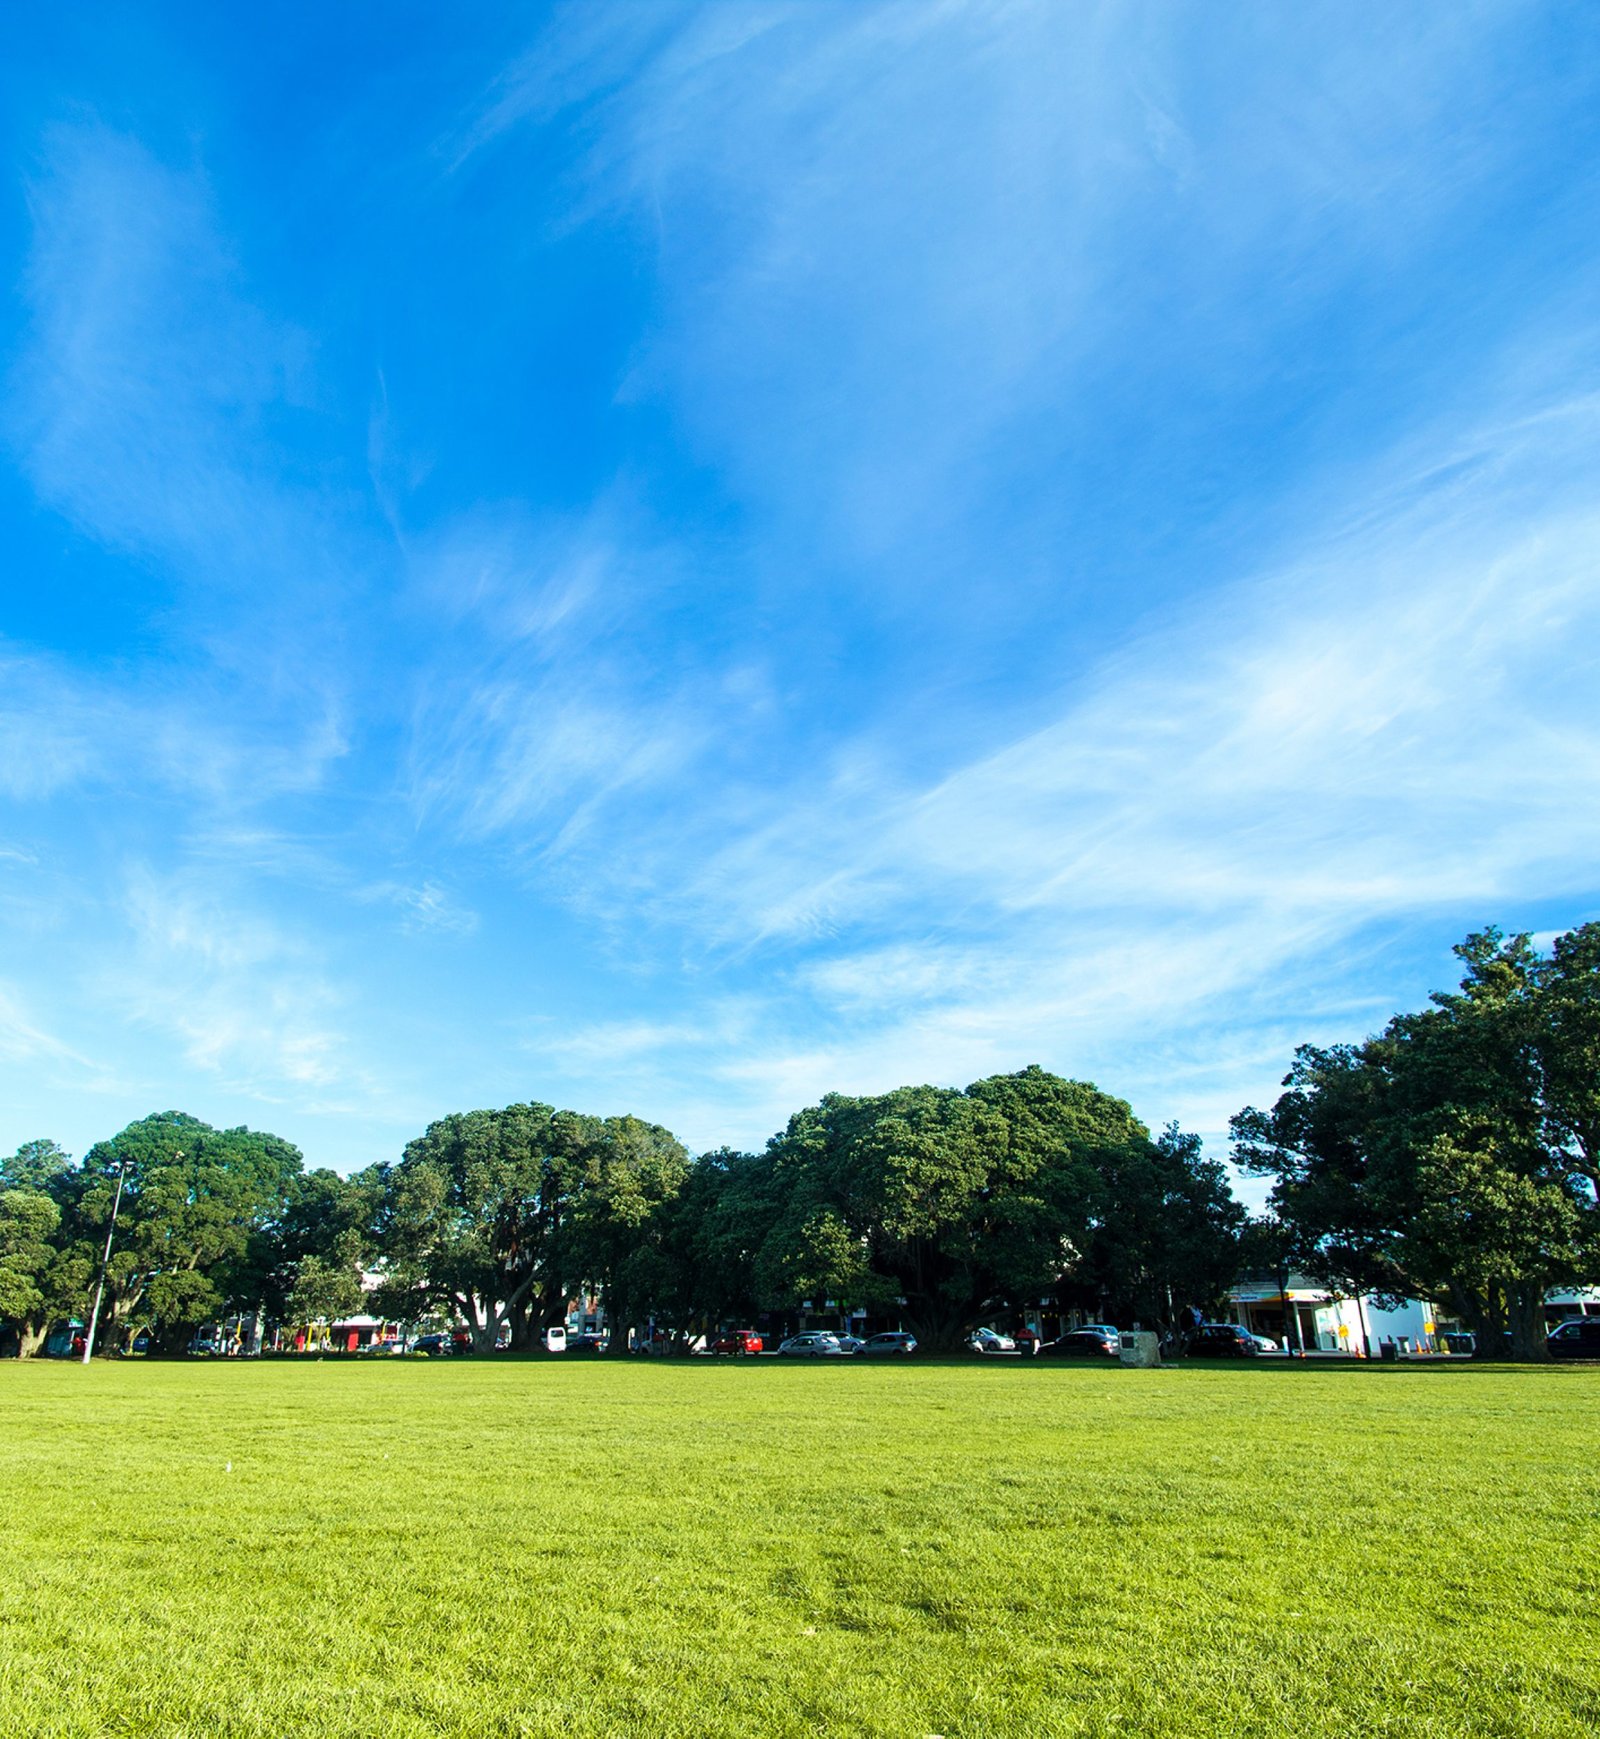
x=894, y=1343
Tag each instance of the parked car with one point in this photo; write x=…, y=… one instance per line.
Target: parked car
x=435, y=1346
x=892, y=1342
x=1221, y=1340
x=1578, y=1338
x=555, y=1338
x=203, y=1347
x=737, y=1341
x=985, y=1340
x=850, y=1343
x=590, y=1341
x=1084, y=1343
x=1264, y=1342
x=813, y=1344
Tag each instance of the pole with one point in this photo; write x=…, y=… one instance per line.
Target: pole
x=105, y=1261
x=1366, y=1333
x=1291, y=1317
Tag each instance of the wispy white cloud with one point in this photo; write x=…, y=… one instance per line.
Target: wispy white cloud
x=543, y=760
x=247, y=1000
x=1391, y=720
x=61, y=729
x=140, y=400
x=1398, y=722
x=151, y=405
x=22, y=1039
x=898, y=246
x=424, y=907
x=549, y=584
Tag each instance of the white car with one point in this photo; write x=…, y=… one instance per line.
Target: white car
x=985, y=1340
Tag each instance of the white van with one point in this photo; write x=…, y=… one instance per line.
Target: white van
x=555, y=1339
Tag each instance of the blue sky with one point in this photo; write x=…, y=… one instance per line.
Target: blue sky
x=679, y=559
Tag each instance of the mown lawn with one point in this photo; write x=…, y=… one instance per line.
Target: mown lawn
x=574, y=1548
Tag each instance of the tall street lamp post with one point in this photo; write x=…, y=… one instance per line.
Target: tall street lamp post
x=105, y=1261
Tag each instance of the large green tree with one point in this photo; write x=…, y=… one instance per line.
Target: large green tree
x=193, y=1201
x=1452, y=1156
x=476, y=1220
x=327, y=1287
x=708, y=1238
x=628, y=1179
x=947, y=1206
x=1566, y=1041
x=28, y=1223
x=44, y=1275
x=1165, y=1232
x=36, y=1165
x=327, y=1220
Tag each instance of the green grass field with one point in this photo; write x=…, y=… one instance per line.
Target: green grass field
x=570, y=1548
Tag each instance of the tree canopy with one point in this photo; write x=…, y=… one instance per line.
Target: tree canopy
x=1452, y=1156
x=193, y=1200
x=952, y=1205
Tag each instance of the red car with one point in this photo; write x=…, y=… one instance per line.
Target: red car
x=738, y=1340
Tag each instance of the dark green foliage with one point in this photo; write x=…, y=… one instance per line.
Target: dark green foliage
x=1165, y=1232
x=36, y=1165
x=628, y=1177
x=967, y=1204
x=329, y=1287
x=307, y=1264
x=711, y=1235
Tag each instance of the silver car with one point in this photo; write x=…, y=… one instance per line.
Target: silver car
x=813, y=1344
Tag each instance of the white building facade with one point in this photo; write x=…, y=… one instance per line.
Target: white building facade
x=1310, y=1318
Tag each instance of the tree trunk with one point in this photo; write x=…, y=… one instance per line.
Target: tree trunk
x=31, y=1336
x=1483, y=1311
x=1525, y=1323
x=483, y=1324
x=939, y=1328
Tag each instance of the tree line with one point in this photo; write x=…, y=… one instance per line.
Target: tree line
x=1452, y=1157
x=941, y=1207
